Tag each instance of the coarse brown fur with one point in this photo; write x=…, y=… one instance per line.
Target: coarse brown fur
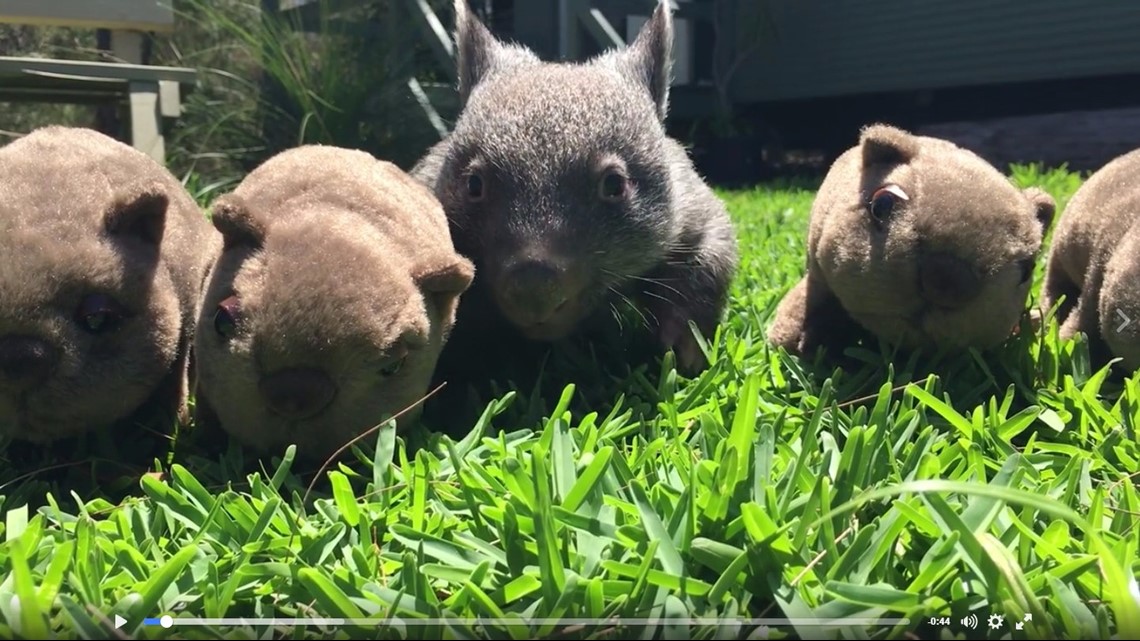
x=104, y=254
x=1093, y=271
x=328, y=308
x=916, y=241
x=583, y=204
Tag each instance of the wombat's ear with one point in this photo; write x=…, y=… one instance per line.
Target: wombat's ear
x=447, y=281
x=1044, y=205
x=650, y=57
x=140, y=214
x=230, y=217
x=478, y=52
x=476, y=49
x=453, y=277
x=887, y=145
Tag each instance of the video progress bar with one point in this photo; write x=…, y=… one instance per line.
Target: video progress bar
x=168, y=621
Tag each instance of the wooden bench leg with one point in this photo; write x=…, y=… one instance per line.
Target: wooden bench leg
x=146, y=120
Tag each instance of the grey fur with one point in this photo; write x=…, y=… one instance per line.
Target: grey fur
x=543, y=137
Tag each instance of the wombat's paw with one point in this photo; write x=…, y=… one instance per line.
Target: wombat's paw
x=789, y=328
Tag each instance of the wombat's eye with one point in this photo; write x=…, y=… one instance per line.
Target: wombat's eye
x=226, y=317
x=612, y=188
x=474, y=187
x=884, y=200
x=392, y=368
x=98, y=313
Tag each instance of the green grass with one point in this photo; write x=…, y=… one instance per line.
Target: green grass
x=937, y=485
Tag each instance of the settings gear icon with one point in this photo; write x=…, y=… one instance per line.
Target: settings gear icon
x=995, y=621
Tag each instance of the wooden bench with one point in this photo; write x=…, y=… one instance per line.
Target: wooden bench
x=151, y=93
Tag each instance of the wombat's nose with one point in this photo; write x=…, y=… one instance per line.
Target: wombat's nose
x=533, y=291
x=24, y=362
x=947, y=281
x=298, y=393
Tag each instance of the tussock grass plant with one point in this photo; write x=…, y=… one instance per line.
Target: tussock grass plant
x=897, y=487
x=267, y=84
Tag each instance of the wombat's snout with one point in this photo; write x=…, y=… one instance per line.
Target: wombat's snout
x=533, y=291
x=947, y=281
x=298, y=393
x=25, y=362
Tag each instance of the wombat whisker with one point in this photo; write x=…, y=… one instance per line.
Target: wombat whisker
x=658, y=281
x=636, y=308
x=657, y=296
x=682, y=246
x=616, y=314
x=457, y=224
x=663, y=282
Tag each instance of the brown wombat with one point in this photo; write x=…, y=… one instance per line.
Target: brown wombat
x=917, y=241
x=330, y=303
x=1094, y=263
x=562, y=186
x=104, y=254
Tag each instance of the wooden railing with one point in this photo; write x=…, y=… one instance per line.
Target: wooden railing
x=576, y=18
x=151, y=93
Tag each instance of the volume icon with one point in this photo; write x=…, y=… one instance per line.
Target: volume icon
x=970, y=621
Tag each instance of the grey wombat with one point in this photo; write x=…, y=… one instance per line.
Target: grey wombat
x=102, y=258
x=918, y=241
x=1094, y=263
x=561, y=185
x=330, y=303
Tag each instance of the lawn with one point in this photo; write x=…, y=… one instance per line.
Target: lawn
x=767, y=488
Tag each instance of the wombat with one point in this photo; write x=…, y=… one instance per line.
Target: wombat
x=561, y=185
x=917, y=241
x=329, y=304
x=104, y=255
x=1093, y=269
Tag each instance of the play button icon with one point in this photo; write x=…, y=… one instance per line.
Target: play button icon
x=119, y=622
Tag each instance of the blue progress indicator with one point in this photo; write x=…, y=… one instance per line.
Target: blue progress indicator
x=165, y=621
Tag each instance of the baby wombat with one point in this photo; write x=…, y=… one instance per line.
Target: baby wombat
x=330, y=303
x=104, y=254
x=561, y=185
x=1094, y=263
x=917, y=241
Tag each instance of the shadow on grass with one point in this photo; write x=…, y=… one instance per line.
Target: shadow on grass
x=606, y=369
x=1033, y=368
x=107, y=464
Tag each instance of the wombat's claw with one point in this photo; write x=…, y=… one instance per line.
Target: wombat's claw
x=674, y=334
x=1035, y=319
x=690, y=359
